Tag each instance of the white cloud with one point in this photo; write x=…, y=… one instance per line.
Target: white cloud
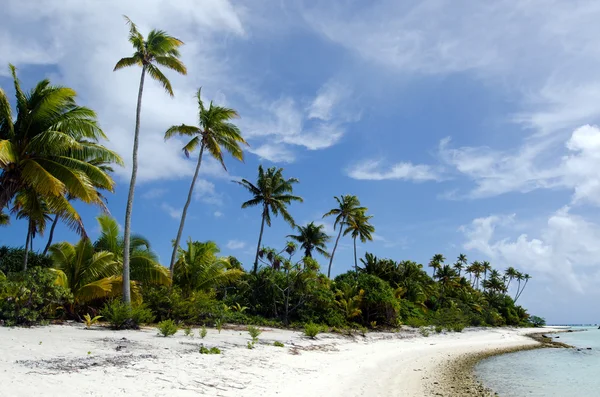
x=373, y=170
x=324, y=103
x=236, y=244
x=537, y=164
x=205, y=191
x=154, y=193
x=218, y=214
x=173, y=212
x=275, y=153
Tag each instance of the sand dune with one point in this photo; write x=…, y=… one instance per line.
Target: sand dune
x=68, y=360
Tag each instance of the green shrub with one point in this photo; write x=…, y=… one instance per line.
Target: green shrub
x=123, y=316
x=212, y=350
x=250, y=345
x=11, y=260
x=278, y=344
x=458, y=327
x=199, y=307
x=167, y=328
x=219, y=324
x=254, y=332
x=311, y=330
x=416, y=322
x=203, y=332
x=188, y=331
x=424, y=331
x=438, y=329
x=537, y=321
x=32, y=297
x=89, y=321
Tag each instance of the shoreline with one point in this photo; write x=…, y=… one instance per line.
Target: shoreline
x=71, y=361
x=459, y=376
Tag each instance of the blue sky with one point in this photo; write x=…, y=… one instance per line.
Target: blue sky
x=464, y=127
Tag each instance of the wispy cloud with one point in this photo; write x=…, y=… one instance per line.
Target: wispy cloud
x=173, y=212
x=236, y=244
x=373, y=170
x=154, y=193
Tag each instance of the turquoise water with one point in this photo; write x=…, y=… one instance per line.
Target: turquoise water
x=547, y=372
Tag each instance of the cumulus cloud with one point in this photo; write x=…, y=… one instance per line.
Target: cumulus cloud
x=373, y=170
x=173, y=212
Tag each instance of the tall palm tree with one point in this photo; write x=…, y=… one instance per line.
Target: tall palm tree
x=519, y=277
x=216, y=134
x=199, y=269
x=447, y=277
x=159, y=48
x=460, y=264
x=436, y=263
x=526, y=277
x=348, y=207
x=487, y=267
x=312, y=238
x=29, y=205
x=511, y=274
x=358, y=226
x=274, y=193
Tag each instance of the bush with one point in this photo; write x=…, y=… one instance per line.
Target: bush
x=254, y=332
x=311, y=330
x=278, y=344
x=250, y=345
x=438, y=329
x=416, y=322
x=203, y=332
x=11, y=260
x=212, y=350
x=458, y=327
x=537, y=321
x=424, y=331
x=167, y=328
x=123, y=316
x=89, y=321
x=197, y=308
x=32, y=297
x=188, y=331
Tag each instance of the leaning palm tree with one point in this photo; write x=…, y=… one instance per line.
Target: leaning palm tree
x=526, y=277
x=198, y=268
x=348, y=207
x=159, y=48
x=312, y=238
x=511, y=274
x=216, y=134
x=274, y=193
x=145, y=267
x=358, y=226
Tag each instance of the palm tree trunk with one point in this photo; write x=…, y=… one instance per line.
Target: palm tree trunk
x=523, y=289
x=184, y=213
x=518, y=289
x=262, y=228
x=334, y=248
x=51, y=234
x=27, y=243
x=355, y=260
x=128, y=210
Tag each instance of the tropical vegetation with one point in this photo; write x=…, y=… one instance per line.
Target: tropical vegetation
x=52, y=155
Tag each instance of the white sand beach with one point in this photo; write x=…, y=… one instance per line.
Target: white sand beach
x=68, y=360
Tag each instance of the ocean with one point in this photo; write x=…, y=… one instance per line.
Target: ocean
x=547, y=372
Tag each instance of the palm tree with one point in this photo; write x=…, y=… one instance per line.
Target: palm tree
x=145, y=267
x=159, y=48
x=526, y=277
x=446, y=276
x=511, y=274
x=519, y=277
x=358, y=226
x=274, y=194
x=436, y=263
x=348, y=207
x=29, y=205
x=44, y=152
x=214, y=134
x=312, y=238
x=4, y=219
x=476, y=270
x=199, y=269
x=486, y=266
x=461, y=261
x=88, y=273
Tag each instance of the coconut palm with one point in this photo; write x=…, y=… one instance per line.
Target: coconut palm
x=159, y=48
x=198, y=268
x=312, y=238
x=348, y=206
x=526, y=277
x=216, y=134
x=273, y=193
x=447, y=278
x=4, y=219
x=145, y=267
x=486, y=266
x=436, y=263
x=460, y=264
x=45, y=150
x=510, y=274
x=519, y=277
x=358, y=226
x=88, y=273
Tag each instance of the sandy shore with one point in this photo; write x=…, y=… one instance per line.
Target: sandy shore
x=68, y=360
